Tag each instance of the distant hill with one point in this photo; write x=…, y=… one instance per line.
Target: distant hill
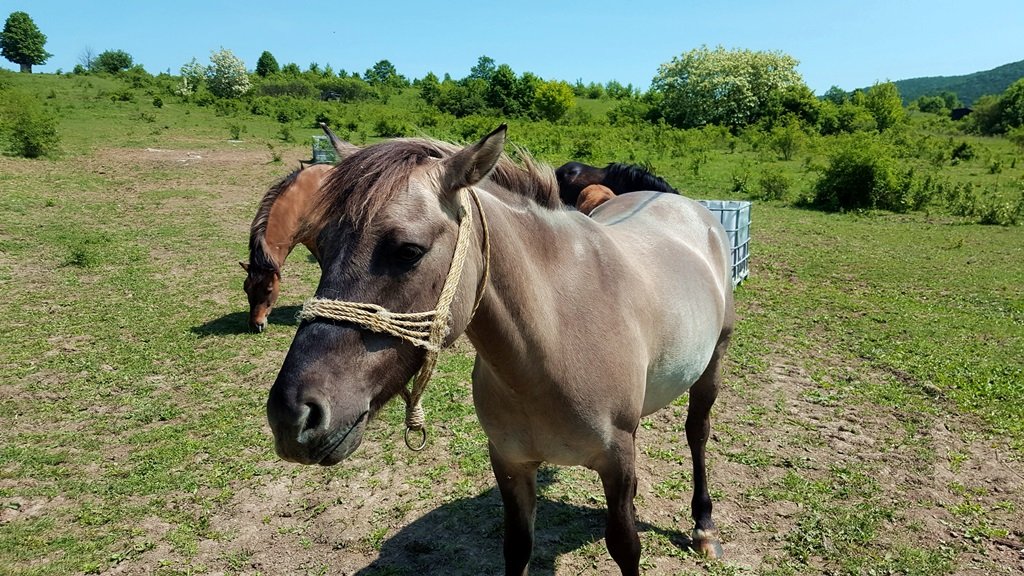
x=968, y=87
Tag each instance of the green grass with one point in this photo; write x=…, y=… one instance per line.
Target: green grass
x=132, y=399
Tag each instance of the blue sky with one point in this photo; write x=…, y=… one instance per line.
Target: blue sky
x=846, y=43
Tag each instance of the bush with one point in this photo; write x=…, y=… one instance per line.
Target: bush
x=279, y=86
x=962, y=151
x=862, y=173
x=30, y=131
x=346, y=90
x=773, y=184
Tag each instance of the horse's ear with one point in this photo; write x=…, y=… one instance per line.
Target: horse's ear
x=342, y=148
x=244, y=265
x=472, y=164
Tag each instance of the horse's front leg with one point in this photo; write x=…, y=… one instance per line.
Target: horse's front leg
x=618, y=475
x=698, y=428
x=517, y=483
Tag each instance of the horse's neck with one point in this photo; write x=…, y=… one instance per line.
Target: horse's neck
x=285, y=220
x=539, y=261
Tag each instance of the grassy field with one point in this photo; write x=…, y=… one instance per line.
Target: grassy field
x=872, y=421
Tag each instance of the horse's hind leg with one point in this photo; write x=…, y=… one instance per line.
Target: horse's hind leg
x=698, y=428
x=518, y=486
x=618, y=475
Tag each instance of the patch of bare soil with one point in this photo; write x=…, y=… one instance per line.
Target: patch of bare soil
x=380, y=521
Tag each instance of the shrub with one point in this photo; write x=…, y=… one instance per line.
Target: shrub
x=346, y=90
x=30, y=131
x=962, y=151
x=862, y=173
x=295, y=87
x=773, y=184
x=390, y=127
x=553, y=99
x=787, y=139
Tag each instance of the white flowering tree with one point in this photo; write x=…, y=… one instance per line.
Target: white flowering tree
x=725, y=87
x=226, y=76
x=191, y=77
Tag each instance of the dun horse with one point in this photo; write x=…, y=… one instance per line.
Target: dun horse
x=480, y=244
x=277, y=228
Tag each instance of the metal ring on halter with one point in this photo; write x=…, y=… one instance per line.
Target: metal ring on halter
x=423, y=442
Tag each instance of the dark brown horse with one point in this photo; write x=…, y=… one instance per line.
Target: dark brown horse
x=620, y=178
x=414, y=225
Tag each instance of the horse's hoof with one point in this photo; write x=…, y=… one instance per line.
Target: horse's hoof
x=706, y=543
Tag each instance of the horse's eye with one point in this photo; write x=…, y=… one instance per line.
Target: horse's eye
x=408, y=254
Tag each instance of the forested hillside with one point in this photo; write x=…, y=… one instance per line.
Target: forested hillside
x=968, y=87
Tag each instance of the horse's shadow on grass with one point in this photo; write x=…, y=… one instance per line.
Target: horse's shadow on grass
x=238, y=322
x=464, y=537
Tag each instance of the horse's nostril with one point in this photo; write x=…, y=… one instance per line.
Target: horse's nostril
x=316, y=417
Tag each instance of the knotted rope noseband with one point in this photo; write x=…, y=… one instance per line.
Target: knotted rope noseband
x=424, y=329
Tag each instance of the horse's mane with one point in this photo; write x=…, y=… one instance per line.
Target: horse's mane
x=632, y=177
x=259, y=255
x=365, y=182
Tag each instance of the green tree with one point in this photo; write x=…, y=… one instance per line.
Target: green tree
x=931, y=105
x=226, y=76
x=267, y=65
x=836, y=95
x=504, y=92
x=616, y=91
x=726, y=87
x=21, y=42
x=430, y=88
x=192, y=75
x=884, y=103
x=1012, y=104
x=111, y=61
x=463, y=97
x=553, y=99
x=384, y=74
x=485, y=66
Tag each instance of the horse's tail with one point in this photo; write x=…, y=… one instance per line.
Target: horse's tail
x=342, y=148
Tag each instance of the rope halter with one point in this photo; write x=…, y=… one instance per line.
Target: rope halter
x=424, y=329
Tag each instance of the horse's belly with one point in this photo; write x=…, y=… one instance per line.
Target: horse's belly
x=665, y=384
x=683, y=360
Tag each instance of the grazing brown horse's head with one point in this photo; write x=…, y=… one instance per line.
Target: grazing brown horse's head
x=261, y=286
x=593, y=196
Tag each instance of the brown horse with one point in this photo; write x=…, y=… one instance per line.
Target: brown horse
x=593, y=196
x=401, y=235
x=278, y=227
x=620, y=178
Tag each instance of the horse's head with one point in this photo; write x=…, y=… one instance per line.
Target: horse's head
x=261, y=286
x=390, y=216
x=573, y=177
x=593, y=196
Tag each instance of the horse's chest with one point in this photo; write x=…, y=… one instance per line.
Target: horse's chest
x=540, y=427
